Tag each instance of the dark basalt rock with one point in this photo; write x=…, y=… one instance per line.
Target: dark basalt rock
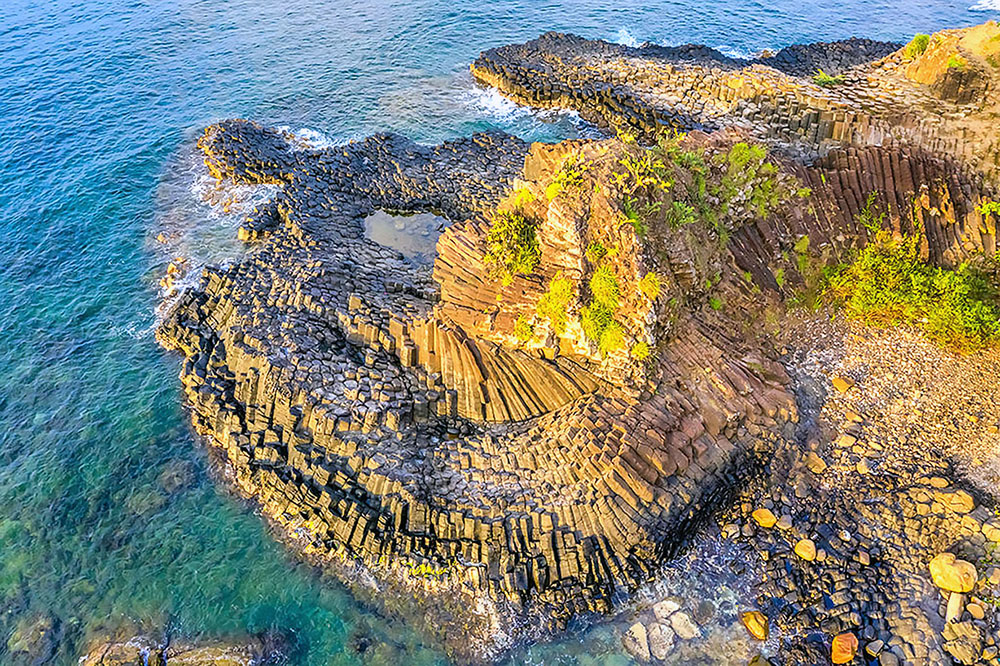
x=386, y=421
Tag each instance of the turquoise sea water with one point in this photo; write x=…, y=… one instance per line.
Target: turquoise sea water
x=107, y=511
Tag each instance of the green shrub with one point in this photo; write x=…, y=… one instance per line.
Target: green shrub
x=643, y=171
x=604, y=287
x=638, y=214
x=600, y=326
x=640, y=350
x=680, y=214
x=649, y=285
x=779, y=277
x=918, y=45
x=522, y=196
x=553, y=303
x=570, y=175
x=595, y=252
x=888, y=284
x=987, y=208
x=598, y=319
x=956, y=61
x=523, y=329
x=747, y=169
x=512, y=245
x=823, y=79
x=715, y=303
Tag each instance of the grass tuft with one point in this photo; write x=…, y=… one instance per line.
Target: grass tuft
x=917, y=46
x=649, y=285
x=554, y=302
x=524, y=330
x=512, y=245
x=825, y=80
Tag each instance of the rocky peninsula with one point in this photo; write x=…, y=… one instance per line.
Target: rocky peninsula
x=623, y=342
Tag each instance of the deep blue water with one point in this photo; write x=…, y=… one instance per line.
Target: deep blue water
x=100, y=101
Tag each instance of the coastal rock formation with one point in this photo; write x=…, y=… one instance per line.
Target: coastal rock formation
x=525, y=431
x=889, y=94
x=383, y=416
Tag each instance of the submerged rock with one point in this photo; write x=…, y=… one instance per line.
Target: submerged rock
x=34, y=639
x=144, y=650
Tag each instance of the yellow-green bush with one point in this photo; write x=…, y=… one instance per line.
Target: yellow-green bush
x=917, y=45
x=554, y=302
x=512, y=245
x=889, y=284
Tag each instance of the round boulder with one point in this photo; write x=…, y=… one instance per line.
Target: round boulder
x=952, y=574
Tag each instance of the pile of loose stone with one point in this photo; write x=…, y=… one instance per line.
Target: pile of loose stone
x=387, y=419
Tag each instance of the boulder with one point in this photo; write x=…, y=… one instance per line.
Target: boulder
x=806, y=549
x=952, y=574
x=664, y=609
x=756, y=623
x=636, y=641
x=661, y=640
x=764, y=517
x=842, y=384
x=843, y=648
x=683, y=625
x=815, y=464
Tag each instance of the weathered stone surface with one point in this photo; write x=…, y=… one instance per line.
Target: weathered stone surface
x=388, y=417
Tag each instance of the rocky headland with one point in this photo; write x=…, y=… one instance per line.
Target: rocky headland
x=622, y=343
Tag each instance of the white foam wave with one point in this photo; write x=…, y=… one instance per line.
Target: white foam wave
x=490, y=103
x=623, y=36
x=986, y=6
x=305, y=138
x=229, y=201
x=740, y=52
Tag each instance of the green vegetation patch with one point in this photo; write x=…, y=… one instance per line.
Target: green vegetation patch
x=649, y=285
x=825, y=80
x=524, y=330
x=988, y=208
x=748, y=174
x=570, y=175
x=512, y=245
x=956, y=61
x=599, y=318
x=595, y=252
x=888, y=284
x=640, y=351
x=917, y=46
x=604, y=287
x=554, y=303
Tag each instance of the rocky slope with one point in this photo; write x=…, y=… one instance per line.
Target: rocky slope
x=527, y=431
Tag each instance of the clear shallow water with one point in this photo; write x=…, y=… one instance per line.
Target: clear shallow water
x=100, y=102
